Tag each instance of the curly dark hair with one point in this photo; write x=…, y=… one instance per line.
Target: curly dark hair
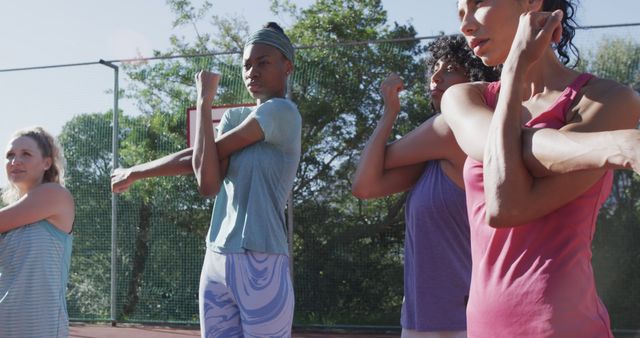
x=454, y=48
x=565, y=46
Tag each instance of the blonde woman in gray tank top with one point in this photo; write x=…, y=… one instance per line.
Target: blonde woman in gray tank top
x=35, y=238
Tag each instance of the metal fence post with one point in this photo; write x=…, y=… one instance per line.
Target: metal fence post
x=114, y=198
x=290, y=204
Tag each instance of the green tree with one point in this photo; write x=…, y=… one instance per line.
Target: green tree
x=348, y=253
x=86, y=141
x=164, y=90
x=157, y=231
x=336, y=89
x=162, y=222
x=616, y=257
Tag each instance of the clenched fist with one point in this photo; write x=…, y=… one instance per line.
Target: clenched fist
x=207, y=85
x=390, y=90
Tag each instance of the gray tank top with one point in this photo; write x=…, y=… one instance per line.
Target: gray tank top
x=34, y=269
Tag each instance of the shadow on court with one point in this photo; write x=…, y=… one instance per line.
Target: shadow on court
x=79, y=330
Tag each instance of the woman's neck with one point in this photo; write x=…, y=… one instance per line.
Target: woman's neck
x=547, y=74
x=24, y=189
x=260, y=101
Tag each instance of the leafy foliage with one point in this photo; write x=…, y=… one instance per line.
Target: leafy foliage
x=616, y=258
x=347, y=253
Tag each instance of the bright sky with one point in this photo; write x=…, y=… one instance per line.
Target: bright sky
x=44, y=32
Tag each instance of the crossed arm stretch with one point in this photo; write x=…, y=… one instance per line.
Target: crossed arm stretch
x=531, y=172
x=385, y=169
x=208, y=159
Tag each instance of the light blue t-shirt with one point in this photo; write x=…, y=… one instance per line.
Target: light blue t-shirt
x=248, y=213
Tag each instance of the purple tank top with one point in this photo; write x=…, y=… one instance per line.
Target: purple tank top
x=437, y=259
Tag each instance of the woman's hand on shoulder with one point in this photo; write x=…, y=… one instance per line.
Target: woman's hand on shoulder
x=48, y=201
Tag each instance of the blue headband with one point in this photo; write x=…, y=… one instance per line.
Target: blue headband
x=272, y=38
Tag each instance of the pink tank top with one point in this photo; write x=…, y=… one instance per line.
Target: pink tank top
x=536, y=279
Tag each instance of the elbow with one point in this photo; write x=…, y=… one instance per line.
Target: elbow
x=208, y=188
x=361, y=192
x=499, y=217
x=208, y=191
x=207, y=178
x=358, y=192
x=496, y=221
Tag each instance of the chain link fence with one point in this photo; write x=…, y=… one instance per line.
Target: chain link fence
x=347, y=254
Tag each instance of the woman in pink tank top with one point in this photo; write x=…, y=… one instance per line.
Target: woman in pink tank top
x=531, y=227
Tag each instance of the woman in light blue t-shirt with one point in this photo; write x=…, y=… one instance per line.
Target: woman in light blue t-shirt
x=245, y=285
x=35, y=240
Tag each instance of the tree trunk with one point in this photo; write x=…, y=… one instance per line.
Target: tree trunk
x=139, y=260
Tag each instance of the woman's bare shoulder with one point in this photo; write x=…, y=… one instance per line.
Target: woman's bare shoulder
x=602, y=90
x=465, y=90
x=611, y=100
x=474, y=86
x=53, y=190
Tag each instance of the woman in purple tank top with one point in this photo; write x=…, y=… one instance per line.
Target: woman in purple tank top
x=531, y=231
x=437, y=264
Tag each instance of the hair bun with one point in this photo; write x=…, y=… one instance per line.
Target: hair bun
x=274, y=26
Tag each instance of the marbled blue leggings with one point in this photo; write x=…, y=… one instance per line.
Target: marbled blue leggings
x=245, y=295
